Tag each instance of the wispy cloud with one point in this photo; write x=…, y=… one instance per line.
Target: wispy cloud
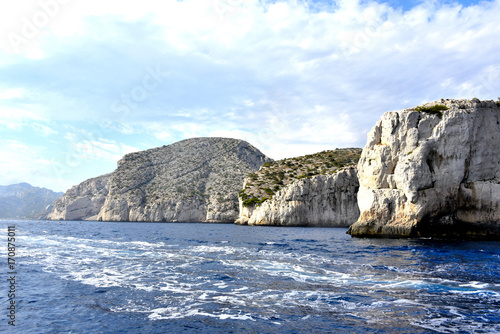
x=86, y=147
x=107, y=150
x=44, y=130
x=20, y=162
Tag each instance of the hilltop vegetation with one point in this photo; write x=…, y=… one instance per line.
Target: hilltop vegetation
x=273, y=176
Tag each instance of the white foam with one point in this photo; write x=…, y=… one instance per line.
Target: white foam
x=236, y=317
x=404, y=284
x=320, y=282
x=179, y=313
x=476, y=285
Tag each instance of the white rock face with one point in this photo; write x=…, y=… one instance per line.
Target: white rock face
x=323, y=200
x=194, y=180
x=81, y=202
x=425, y=174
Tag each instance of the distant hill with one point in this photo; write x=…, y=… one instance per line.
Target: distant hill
x=22, y=200
x=193, y=180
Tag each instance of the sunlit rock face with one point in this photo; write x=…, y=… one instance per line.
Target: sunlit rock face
x=81, y=202
x=323, y=200
x=313, y=190
x=432, y=173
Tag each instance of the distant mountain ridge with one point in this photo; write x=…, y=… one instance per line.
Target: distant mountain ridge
x=23, y=200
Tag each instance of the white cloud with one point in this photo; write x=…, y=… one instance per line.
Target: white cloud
x=23, y=163
x=44, y=130
x=16, y=118
x=12, y=93
x=101, y=149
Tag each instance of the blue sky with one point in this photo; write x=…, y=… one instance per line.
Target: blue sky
x=83, y=82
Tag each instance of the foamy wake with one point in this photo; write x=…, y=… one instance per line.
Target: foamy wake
x=243, y=283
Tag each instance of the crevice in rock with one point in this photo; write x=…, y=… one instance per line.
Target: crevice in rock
x=394, y=164
x=429, y=162
x=466, y=169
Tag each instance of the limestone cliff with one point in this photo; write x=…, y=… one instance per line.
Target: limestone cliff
x=81, y=202
x=432, y=171
x=313, y=190
x=194, y=180
x=323, y=200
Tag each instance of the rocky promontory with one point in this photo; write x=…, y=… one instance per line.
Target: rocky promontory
x=24, y=201
x=432, y=171
x=313, y=190
x=81, y=202
x=194, y=180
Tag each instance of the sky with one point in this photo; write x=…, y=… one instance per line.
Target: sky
x=84, y=82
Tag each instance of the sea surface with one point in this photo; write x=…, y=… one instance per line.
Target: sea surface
x=95, y=277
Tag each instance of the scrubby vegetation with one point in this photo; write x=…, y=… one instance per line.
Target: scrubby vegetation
x=202, y=171
x=433, y=110
x=273, y=176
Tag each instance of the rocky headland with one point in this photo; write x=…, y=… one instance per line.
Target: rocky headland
x=194, y=180
x=313, y=190
x=432, y=171
x=82, y=202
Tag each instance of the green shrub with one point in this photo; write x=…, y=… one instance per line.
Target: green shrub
x=254, y=201
x=250, y=201
x=243, y=195
x=269, y=191
x=434, y=110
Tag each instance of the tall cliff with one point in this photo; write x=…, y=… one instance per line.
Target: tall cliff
x=194, y=180
x=81, y=202
x=313, y=190
x=323, y=200
x=432, y=171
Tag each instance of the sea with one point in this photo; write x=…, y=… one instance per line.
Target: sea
x=102, y=277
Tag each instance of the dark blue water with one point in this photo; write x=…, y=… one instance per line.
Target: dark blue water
x=94, y=277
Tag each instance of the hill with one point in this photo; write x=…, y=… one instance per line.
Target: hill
x=22, y=200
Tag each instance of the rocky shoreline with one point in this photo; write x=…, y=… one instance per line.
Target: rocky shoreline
x=432, y=171
x=427, y=171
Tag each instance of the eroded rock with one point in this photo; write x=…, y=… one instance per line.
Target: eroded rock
x=432, y=174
